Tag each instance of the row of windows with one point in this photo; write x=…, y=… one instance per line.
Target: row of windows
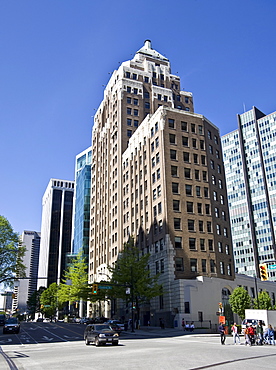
x=190, y=190
x=174, y=172
x=187, y=142
x=133, y=91
x=187, y=157
x=159, y=266
x=209, y=135
x=191, y=226
x=156, y=175
x=188, y=173
x=185, y=126
x=190, y=207
x=179, y=266
x=64, y=184
x=135, y=111
x=134, y=76
x=135, y=122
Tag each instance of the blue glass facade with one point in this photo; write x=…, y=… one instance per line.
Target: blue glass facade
x=82, y=203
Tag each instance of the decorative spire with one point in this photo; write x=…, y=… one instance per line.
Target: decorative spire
x=147, y=50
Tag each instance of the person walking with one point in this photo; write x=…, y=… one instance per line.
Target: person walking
x=246, y=336
x=260, y=333
x=222, y=333
x=235, y=334
x=183, y=324
x=251, y=334
x=192, y=327
x=270, y=334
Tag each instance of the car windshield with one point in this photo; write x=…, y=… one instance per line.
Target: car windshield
x=102, y=327
x=11, y=320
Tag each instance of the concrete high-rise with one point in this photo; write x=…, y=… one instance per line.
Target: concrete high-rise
x=250, y=163
x=31, y=240
x=56, y=231
x=158, y=175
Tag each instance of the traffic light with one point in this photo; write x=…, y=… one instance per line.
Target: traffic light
x=95, y=289
x=263, y=272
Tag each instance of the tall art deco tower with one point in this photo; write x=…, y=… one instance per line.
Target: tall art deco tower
x=157, y=175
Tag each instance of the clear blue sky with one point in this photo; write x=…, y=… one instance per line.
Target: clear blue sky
x=56, y=55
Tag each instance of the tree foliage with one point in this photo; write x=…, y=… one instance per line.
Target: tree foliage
x=131, y=271
x=75, y=282
x=263, y=302
x=49, y=302
x=11, y=254
x=33, y=303
x=240, y=301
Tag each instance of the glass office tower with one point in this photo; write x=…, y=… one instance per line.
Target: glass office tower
x=250, y=163
x=82, y=202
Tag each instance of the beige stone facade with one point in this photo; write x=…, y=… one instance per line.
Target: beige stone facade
x=157, y=175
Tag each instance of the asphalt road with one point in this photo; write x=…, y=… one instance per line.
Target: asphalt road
x=42, y=346
x=43, y=332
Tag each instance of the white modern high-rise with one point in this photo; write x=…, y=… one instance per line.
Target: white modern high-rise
x=56, y=231
x=250, y=168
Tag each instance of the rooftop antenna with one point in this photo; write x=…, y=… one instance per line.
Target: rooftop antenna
x=244, y=108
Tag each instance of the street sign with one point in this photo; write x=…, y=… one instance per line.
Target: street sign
x=272, y=267
x=104, y=287
x=47, y=305
x=7, y=294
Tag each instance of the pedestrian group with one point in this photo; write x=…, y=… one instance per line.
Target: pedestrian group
x=252, y=334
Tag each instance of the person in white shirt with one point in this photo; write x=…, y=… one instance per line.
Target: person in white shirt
x=235, y=334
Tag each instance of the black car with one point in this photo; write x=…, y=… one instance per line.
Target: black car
x=100, y=334
x=11, y=325
x=2, y=319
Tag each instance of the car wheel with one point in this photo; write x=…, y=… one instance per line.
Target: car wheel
x=17, y=332
x=87, y=341
x=97, y=342
x=115, y=343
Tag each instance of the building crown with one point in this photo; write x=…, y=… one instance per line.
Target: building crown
x=148, y=51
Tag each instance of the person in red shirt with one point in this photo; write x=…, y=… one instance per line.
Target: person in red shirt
x=251, y=334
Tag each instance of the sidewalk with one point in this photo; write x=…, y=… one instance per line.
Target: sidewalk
x=5, y=362
x=168, y=332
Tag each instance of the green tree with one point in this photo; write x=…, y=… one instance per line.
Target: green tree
x=75, y=283
x=33, y=303
x=239, y=301
x=263, y=302
x=49, y=302
x=131, y=271
x=11, y=254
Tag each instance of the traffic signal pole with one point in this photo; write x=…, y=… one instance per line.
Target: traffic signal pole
x=257, y=295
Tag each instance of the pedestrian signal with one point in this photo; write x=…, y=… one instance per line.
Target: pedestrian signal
x=95, y=289
x=263, y=272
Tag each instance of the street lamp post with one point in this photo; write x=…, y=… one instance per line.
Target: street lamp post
x=132, y=301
